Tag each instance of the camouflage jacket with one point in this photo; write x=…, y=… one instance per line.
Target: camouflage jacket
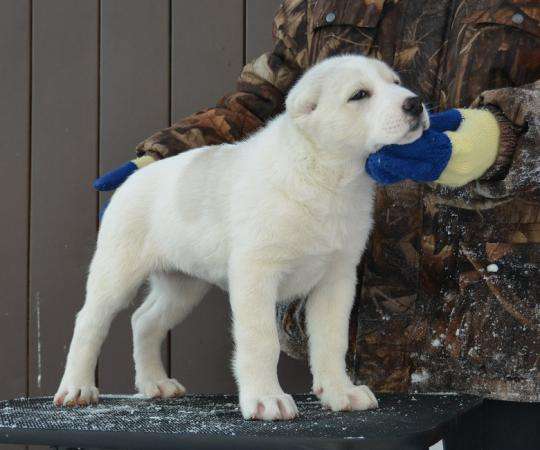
x=450, y=281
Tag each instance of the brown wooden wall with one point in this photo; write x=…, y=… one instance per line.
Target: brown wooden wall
x=81, y=83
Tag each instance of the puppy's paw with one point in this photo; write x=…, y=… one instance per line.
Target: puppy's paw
x=166, y=388
x=346, y=398
x=269, y=407
x=76, y=395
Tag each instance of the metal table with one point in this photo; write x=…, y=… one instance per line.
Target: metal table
x=213, y=422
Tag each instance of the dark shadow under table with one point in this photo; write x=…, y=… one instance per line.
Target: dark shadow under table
x=214, y=422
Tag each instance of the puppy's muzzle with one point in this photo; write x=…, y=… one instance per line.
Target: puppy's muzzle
x=413, y=108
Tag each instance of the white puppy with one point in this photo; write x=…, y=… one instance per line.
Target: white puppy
x=284, y=214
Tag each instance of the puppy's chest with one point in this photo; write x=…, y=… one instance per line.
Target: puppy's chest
x=302, y=277
x=334, y=230
x=336, y=225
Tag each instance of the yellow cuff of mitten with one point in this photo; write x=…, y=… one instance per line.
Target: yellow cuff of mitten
x=143, y=161
x=475, y=146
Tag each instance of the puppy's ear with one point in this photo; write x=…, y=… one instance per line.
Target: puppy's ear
x=303, y=97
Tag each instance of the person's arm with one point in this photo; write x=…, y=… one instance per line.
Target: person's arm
x=261, y=90
x=517, y=166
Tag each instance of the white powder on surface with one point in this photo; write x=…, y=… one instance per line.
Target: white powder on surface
x=420, y=377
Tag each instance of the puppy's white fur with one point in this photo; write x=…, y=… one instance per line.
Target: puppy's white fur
x=283, y=214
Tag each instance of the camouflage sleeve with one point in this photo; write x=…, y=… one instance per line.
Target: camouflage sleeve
x=516, y=169
x=261, y=89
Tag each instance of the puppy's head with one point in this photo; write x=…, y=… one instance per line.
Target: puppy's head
x=353, y=105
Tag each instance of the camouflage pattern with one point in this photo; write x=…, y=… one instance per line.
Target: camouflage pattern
x=429, y=314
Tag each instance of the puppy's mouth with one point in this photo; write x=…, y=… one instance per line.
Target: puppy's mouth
x=412, y=132
x=415, y=125
x=416, y=128
x=421, y=121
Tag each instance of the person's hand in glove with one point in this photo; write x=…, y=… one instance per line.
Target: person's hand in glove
x=459, y=146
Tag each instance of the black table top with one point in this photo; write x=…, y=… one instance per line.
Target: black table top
x=214, y=421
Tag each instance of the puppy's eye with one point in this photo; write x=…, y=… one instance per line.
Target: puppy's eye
x=397, y=82
x=360, y=95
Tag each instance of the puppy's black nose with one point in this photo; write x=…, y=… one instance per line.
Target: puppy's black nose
x=413, y=106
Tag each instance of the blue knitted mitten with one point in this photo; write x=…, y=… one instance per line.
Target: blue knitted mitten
x=460, y=145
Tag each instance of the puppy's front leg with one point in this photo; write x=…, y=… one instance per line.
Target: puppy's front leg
x=327, y=316
x=253, y=292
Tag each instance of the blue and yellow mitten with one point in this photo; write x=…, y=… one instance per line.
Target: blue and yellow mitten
x=111, y=180
x=459, y=146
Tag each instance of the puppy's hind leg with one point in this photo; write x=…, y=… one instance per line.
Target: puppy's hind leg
x=172, y=297
x=115, y=274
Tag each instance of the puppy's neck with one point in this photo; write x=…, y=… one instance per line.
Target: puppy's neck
x=316, y=163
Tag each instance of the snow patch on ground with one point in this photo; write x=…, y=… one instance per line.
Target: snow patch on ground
x=419, y=377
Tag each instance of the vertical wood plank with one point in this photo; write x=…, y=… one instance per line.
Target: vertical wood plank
x=259, y=17
x=134, y=99
x=206, y=58
x=64, y=161
x=207, y=52
x=15, y=42
x=14, y=170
